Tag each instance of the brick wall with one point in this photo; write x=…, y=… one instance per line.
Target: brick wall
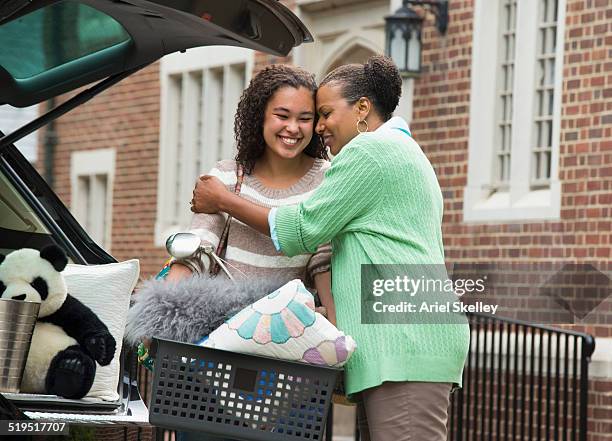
x=584, y=233
x=499, y=406
x=600, y=410
x=441, y=122
x=125, y=117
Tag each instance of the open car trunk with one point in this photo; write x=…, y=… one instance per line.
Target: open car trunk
x=50, y=47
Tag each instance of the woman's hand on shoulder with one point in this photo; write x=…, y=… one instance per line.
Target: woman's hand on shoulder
x=208, y=195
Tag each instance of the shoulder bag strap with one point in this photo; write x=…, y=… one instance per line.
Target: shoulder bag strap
x=215, y=267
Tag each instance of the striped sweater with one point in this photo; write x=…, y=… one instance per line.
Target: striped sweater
x=251, y=252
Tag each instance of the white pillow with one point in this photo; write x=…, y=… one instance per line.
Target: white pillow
x=284, y=325
x=106, y=290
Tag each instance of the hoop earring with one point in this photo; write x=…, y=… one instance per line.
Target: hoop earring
x=366, y=126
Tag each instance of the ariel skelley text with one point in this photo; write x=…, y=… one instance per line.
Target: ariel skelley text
x=434, y=307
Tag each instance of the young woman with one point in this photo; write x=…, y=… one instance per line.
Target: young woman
x=282, y=163
x=380, y=203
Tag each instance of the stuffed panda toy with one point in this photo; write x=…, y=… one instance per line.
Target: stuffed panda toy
x=68, y=338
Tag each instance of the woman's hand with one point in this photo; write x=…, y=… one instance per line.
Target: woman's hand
x=147, y=342
x=208, y=195
x=177, y=272
x=322, y=282
x=211, y=196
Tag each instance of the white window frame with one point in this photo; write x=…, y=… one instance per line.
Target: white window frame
x=173, y=214
x=519, y=202
x=90, y=164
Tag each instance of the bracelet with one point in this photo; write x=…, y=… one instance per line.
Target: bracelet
x=195, y=268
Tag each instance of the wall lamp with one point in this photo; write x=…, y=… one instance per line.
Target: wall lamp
x=403, y=33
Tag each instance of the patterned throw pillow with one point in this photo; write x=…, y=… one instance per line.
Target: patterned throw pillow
x=284, y=325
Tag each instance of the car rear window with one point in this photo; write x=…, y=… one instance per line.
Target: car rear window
x=55, y=35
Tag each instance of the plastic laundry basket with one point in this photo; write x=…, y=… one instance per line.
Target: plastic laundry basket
x=238, y=396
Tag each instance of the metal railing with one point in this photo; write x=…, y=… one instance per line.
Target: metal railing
x=522, y=382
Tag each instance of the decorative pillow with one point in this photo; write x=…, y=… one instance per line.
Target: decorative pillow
x=106, y=289
x=284, y=325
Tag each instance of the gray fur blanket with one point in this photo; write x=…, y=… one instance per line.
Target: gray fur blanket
x=191, y=308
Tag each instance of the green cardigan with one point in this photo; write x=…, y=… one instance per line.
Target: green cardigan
x=380, y=202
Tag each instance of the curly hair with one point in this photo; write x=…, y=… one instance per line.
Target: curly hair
x=248, y=124
x=378, y=79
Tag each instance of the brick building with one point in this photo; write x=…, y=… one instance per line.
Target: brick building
x=542, y=194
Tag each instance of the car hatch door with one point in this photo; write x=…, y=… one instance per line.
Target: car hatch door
x=50, y=47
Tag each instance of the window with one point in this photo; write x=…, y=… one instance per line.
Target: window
x=515, y=111
x=504, y=124
x=200, y=91
x=76, y=31
x=541, y=145
x=12, y=118
x=91, y=177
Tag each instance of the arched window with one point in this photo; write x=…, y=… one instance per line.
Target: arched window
x=359, y=53
x=355, y=54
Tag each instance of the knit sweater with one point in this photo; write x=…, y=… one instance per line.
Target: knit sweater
x=250, y=253
x=380, y=203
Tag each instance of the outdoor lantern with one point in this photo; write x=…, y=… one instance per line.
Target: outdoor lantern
x=403, y=34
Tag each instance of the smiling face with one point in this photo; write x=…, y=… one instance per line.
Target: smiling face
x=337, y=118
x=289, y=122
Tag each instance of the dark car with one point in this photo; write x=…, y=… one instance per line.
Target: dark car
x=50, y=47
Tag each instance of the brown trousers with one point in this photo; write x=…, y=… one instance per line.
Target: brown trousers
x=404, y=411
